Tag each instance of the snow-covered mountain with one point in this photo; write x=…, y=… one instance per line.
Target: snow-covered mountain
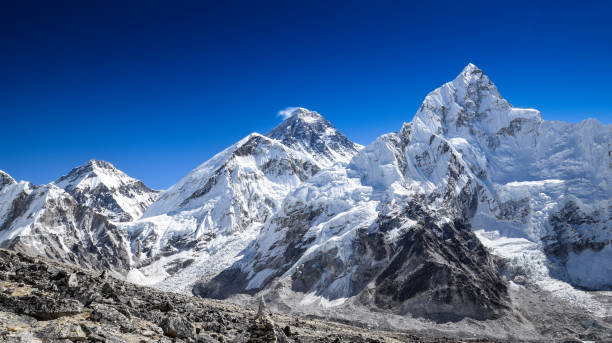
x=47, y=221
x=440, y=219
x=395, y=228
x=200, y=225
x=101, y=186
x=74, y=219
x=531, y=172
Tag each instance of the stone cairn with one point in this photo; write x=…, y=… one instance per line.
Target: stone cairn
x=262, y=329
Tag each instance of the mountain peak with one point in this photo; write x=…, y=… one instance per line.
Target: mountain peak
x=99, y=164
x=109, y=190
x=471, y=104
x=470, y=68
x=307, y=131
x=90, y=169
x=472, y=76
x=6, y=179
x=301, y=114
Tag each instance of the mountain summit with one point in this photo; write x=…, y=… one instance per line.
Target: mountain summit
x=108, y=190
x=5, y=179
x=308, y=132
x=471, y=105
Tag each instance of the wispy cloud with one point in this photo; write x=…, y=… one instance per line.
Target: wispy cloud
x=286, y=113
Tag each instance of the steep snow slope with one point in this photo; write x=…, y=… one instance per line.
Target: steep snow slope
x=547, y=182
x=201, y=224
x=468, y=158
x=109, y=191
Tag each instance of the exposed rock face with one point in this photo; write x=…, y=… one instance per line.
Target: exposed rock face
x=440, y=272
x=582, y=241
x=74, y=224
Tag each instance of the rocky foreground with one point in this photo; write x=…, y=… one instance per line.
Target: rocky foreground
x=43, y=301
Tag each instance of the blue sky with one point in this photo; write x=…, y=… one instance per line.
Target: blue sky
x=159, y=87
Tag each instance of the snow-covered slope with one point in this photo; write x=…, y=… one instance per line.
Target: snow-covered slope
x=72, y=220
x=405, y=206
x=98, y=184
x=47, y=221
x=200, y=225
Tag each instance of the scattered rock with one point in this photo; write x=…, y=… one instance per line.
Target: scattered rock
x=177, y=326
x=42, y=308
x=58, y=331
x=287, y=331
x=109, y=315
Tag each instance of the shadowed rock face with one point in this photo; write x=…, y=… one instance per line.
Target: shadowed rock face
x=443, y=273
x=582, y=242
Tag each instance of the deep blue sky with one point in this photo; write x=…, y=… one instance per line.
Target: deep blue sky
x=157, y=88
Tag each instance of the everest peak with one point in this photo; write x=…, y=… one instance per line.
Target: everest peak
x=310, y=133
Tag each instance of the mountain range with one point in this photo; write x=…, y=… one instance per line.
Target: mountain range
x=448, y=218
